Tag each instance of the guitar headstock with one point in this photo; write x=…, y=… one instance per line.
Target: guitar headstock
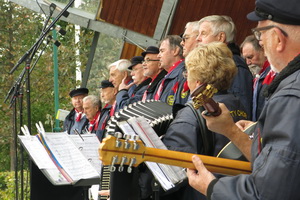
x=202, y=96
x=114, y=151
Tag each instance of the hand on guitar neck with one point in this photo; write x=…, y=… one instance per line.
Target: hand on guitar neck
x=202, y=96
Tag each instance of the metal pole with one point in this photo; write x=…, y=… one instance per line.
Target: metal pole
x=15, y=148
x=21, y=147
x=56, y=92
x=90, y=60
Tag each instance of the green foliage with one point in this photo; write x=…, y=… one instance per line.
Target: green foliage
x=7, y=186
x=19, y=30
x=20, y=27
x=107, y=52
x=5, y=159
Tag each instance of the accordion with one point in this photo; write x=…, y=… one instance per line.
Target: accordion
x=158, y=114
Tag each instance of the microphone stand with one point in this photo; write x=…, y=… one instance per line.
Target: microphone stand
x=16, y=90
x=21, y=147
x=24, y=57
x=15, y=147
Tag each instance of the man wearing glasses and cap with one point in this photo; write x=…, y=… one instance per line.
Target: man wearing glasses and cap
x=274, y=149
x=76, y=119
x=153, y=70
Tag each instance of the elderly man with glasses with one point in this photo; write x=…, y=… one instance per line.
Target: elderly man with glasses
x=153, y=70
x=188, y=44
x=274, y=149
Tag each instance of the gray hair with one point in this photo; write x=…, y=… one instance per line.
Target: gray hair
x=122, y=65
x=221, y=23
x=195, y=26
x=174, y=41
x=253, y=41
x=94, y=100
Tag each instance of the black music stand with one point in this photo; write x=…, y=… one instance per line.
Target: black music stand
x=42, y=188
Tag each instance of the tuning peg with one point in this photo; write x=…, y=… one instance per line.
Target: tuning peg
x=127, y=137
x=132, y=162
x=135, y=137
x=135, y=144
x=123, y=161
x=118, y=135
x=113, y=162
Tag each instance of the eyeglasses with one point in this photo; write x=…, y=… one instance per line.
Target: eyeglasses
x=148, y=60
x=185, y=38
x=257, y=31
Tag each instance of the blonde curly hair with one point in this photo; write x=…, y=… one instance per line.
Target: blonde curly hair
x=212, y=64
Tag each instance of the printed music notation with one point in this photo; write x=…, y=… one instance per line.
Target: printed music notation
x=65, y=159
x=168, y=176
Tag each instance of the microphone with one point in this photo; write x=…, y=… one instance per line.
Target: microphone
x=54, y=6
x=20, y=61
x=60, y=30
x=55, y=42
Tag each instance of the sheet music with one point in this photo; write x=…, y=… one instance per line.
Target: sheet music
x=37, y=152
x=89, y=147
x=56, y=177
x=167, y=175
x=146, y=132
x=42, y=160
x=175, y=173
x=157, y=172
x=70, y=157
x=126, y=128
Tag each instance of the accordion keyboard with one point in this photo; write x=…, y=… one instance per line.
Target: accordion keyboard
x=105, y=180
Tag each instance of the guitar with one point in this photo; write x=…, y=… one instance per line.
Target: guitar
x=231, y=151
x=114, y=151
x=202, y=96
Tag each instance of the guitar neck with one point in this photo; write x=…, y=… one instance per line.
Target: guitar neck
x=116, y=151
x=181, y=159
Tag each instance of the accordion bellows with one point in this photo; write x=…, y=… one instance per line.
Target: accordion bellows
x=158, y=114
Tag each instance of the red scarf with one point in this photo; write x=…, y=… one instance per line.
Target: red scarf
x=95, y=122
x=269, y=78
x=185, y=87
x=112, y=110
x=161, y=86
x=146, y=91
x=79, y=115
x=145, y=95
x=265, y=65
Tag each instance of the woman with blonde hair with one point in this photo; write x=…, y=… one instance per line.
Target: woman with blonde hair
x=210, y=64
